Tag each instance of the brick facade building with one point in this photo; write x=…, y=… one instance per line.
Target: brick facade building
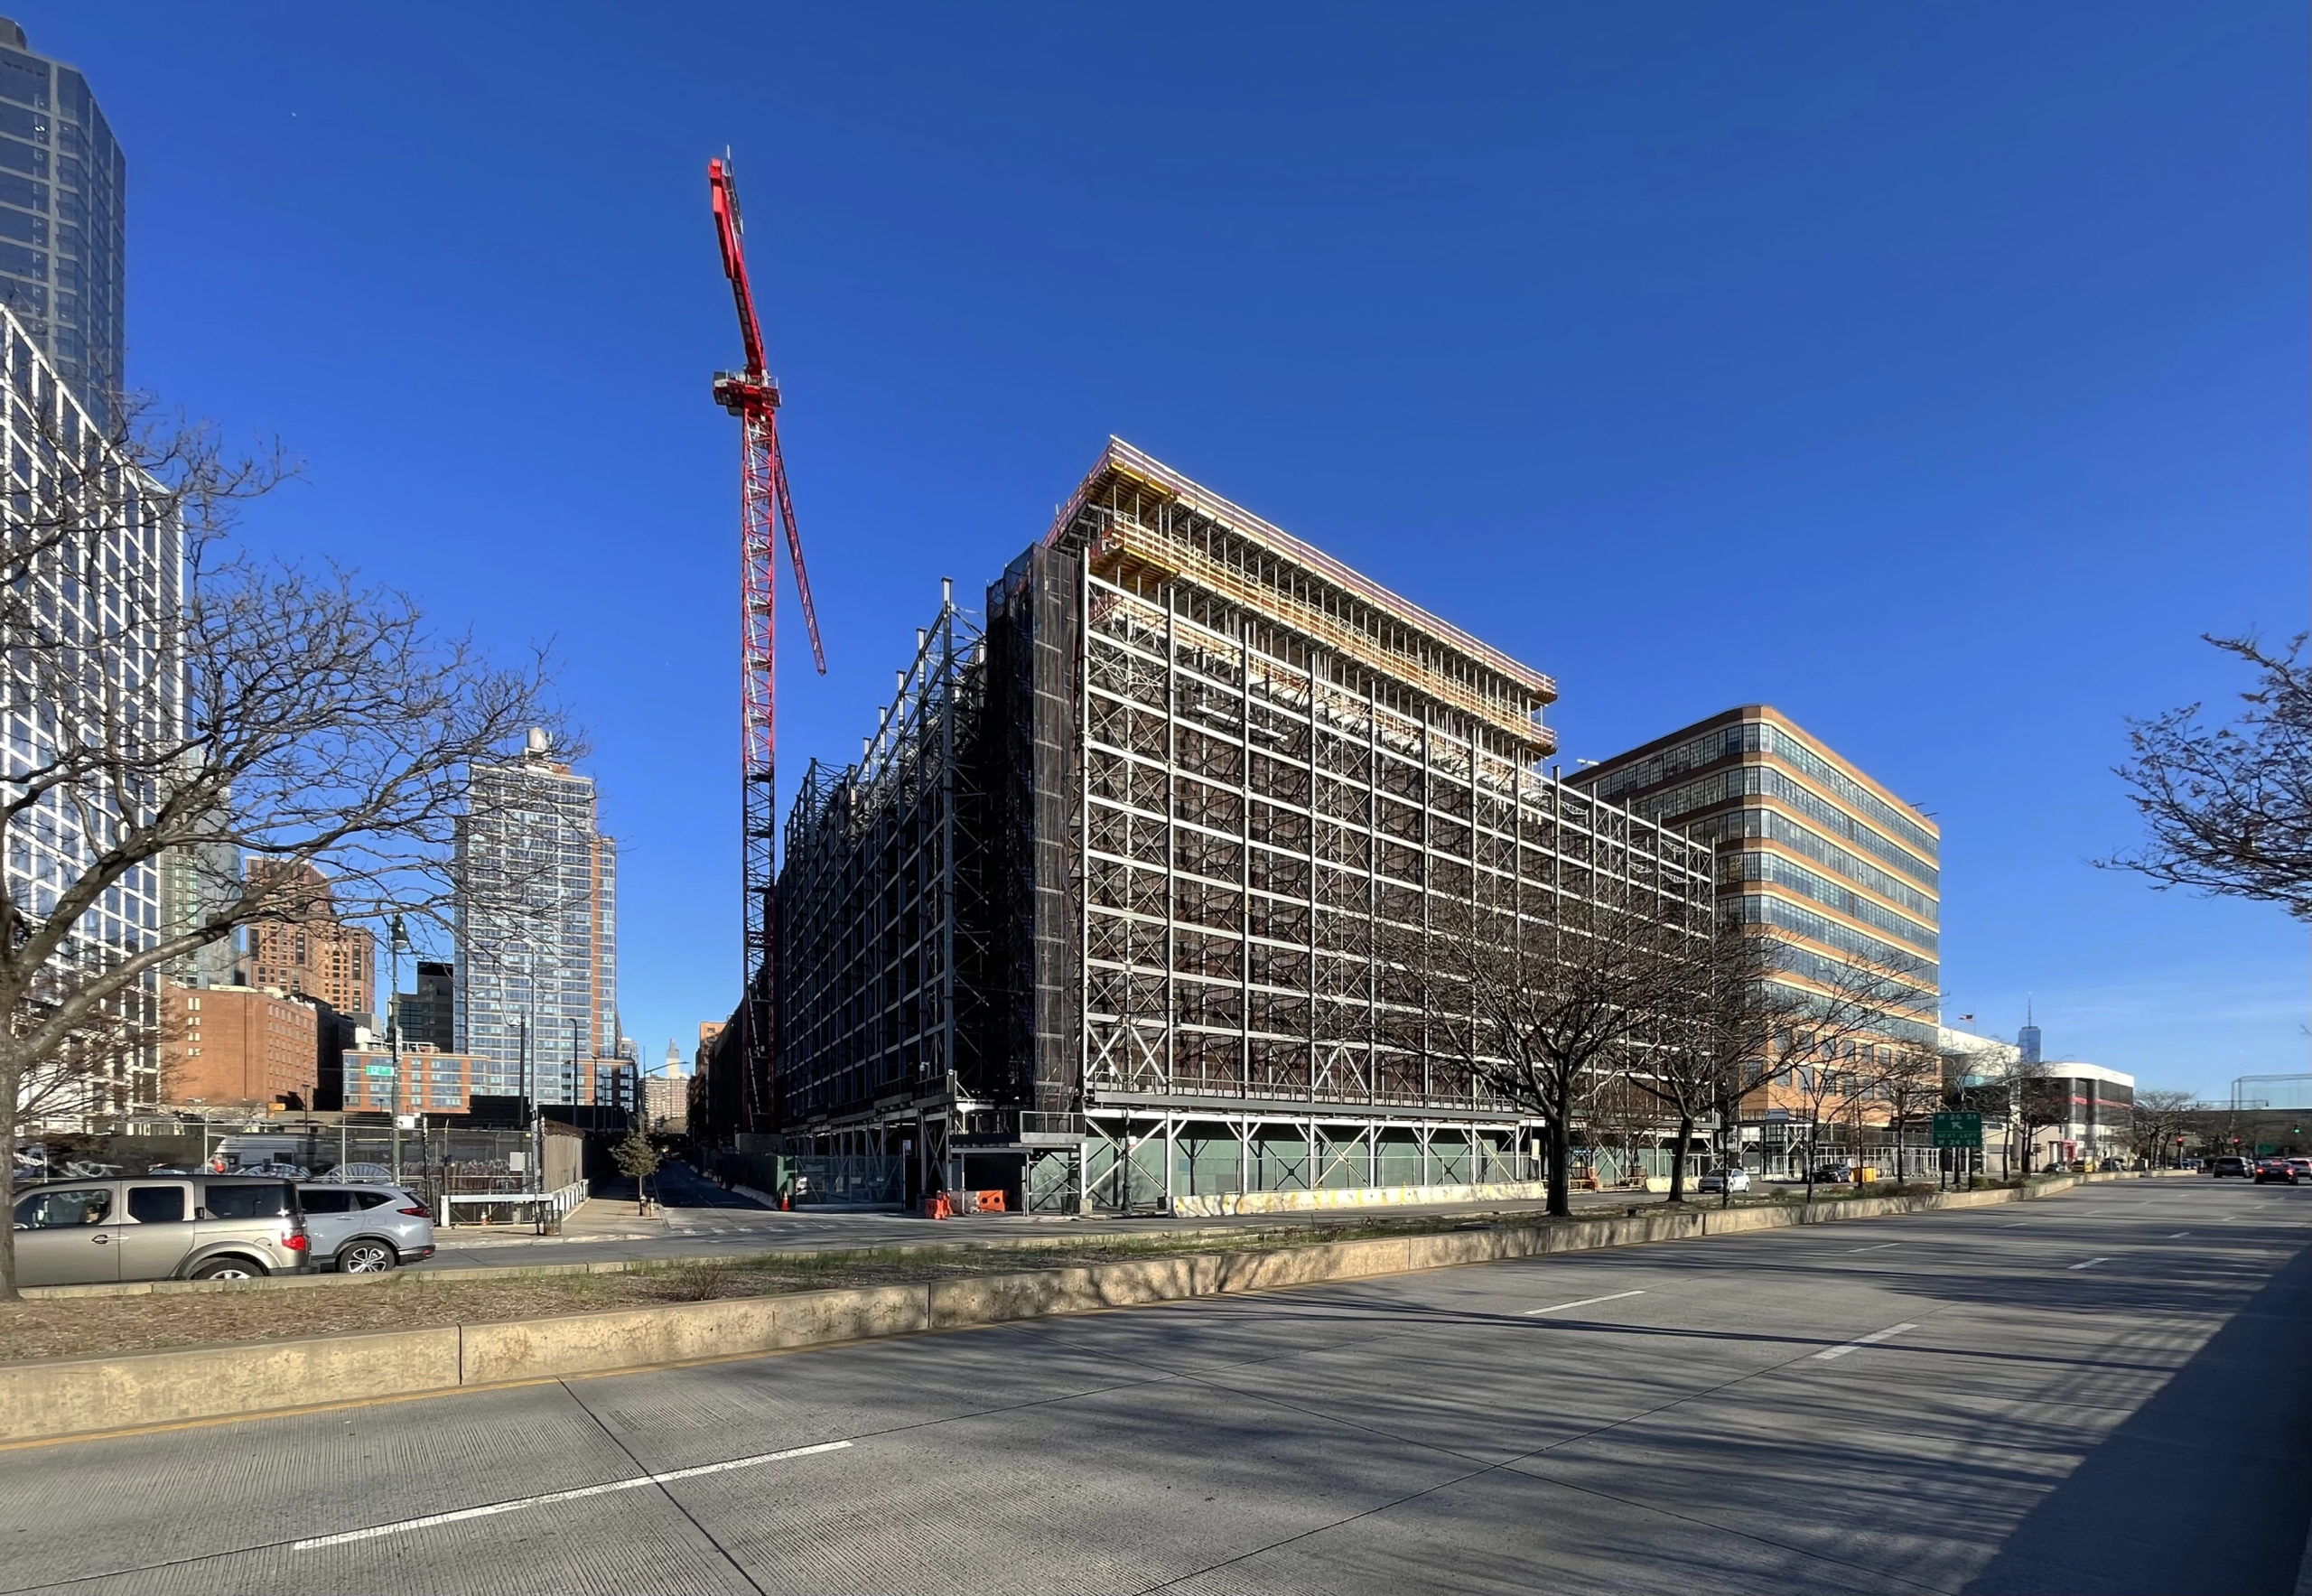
x=239, y=1045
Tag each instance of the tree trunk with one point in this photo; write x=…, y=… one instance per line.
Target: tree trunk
x=1560, y=1174
x=1814, y=1151
x=1678, y=1159
x=8, y=1202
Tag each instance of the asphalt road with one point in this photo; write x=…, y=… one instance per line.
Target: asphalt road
x=2103, y=1392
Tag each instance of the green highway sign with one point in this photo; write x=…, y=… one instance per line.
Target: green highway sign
x=1958, y=1129
x=385, y=1070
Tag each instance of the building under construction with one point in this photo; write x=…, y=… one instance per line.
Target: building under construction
x=1092, y=918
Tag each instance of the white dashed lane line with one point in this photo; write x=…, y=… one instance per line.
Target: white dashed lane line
x=403, y=1526
x=1879, y=1248
x=1584, y=1303
x=2090, y=1263
x=1874, y=1336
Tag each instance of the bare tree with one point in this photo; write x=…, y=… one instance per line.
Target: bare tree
x=2230, y=810
x=1838, y=1056
x=2160, y=1119
x=1910, y=1083
x=1619, y=1120
x=1727, y=1051
x=2040, y=1101
x=197, y=710
x=1541, y=1007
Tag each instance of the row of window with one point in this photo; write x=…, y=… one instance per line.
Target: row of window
x=1780, y=912
x=1758, y=737
x=1774, y=826
x=1764, y=781
x=1751, y=866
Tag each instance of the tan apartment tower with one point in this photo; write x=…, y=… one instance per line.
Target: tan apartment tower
x=309, y=949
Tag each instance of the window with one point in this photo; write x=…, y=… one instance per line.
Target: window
x=246, y=1202
x=373, y=1199
x=58, y=1210
x=24, y=80
x=317, y=1201
x=157, y=1205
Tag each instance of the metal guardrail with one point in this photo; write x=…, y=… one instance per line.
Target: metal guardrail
x=557, y=1202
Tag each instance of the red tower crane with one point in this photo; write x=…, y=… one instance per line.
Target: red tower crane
x=765, y=508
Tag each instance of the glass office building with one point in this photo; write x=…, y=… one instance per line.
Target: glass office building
x=1841, y=870
x=63, y=245
x=537, y=928
x=91, y=667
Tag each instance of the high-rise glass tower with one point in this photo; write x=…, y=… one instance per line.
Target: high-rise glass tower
x=63, y=243
x=536, y=926
x=89, y=673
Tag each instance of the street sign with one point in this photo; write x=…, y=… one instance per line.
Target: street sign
x=1958, y=1129
x=382, y=1071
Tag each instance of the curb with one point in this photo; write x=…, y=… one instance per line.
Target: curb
x=48, y=1399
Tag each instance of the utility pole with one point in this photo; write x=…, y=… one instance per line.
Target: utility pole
x=398, y=942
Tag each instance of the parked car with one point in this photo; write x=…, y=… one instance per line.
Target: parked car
x=2280, y=1169
x=78, y=1232
x=365, y=1229
x=2230, y=1163
x=2111, y=1166
x=1836, y=1174
x=1726, y=1180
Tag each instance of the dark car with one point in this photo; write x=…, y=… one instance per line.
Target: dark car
x=2230, y=1163
x=2277, y=1169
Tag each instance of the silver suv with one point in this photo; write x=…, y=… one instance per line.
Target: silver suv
x=365, y=1229
x=159, y=1228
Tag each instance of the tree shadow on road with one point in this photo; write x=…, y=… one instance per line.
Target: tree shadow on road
x=2205, y=1488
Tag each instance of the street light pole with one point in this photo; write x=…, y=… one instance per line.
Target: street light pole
x=398, y=942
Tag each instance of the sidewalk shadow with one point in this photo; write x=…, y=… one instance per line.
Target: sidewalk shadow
x=2204, y=1492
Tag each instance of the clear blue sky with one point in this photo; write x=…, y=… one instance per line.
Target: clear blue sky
x=1935, y=373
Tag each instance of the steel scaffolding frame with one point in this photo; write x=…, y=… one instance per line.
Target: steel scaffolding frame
x=1190, y=767
x=880, y=931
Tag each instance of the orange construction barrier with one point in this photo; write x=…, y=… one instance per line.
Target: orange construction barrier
x=936, y=1208
x=990, y=1202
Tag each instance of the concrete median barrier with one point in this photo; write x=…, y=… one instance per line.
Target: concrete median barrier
x=52, y=1397
x=72, y=1395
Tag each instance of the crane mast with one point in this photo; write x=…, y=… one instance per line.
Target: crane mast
x=765, y=512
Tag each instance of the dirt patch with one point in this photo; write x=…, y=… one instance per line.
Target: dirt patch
x=86, y=1327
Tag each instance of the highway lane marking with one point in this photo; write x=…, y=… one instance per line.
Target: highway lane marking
x=1893, y=1329
x=402, y=1526
x=2173, y=1234
x=1879, y=1247
x=2090, y=1263
x=1584, y=1303
x=2017, y=1224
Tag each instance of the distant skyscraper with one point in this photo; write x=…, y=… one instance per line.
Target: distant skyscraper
x=195, y=883
x=309, y=951
x=64, y=244
x=430, y=1013
x=2029, y=1037
x=536, y=927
